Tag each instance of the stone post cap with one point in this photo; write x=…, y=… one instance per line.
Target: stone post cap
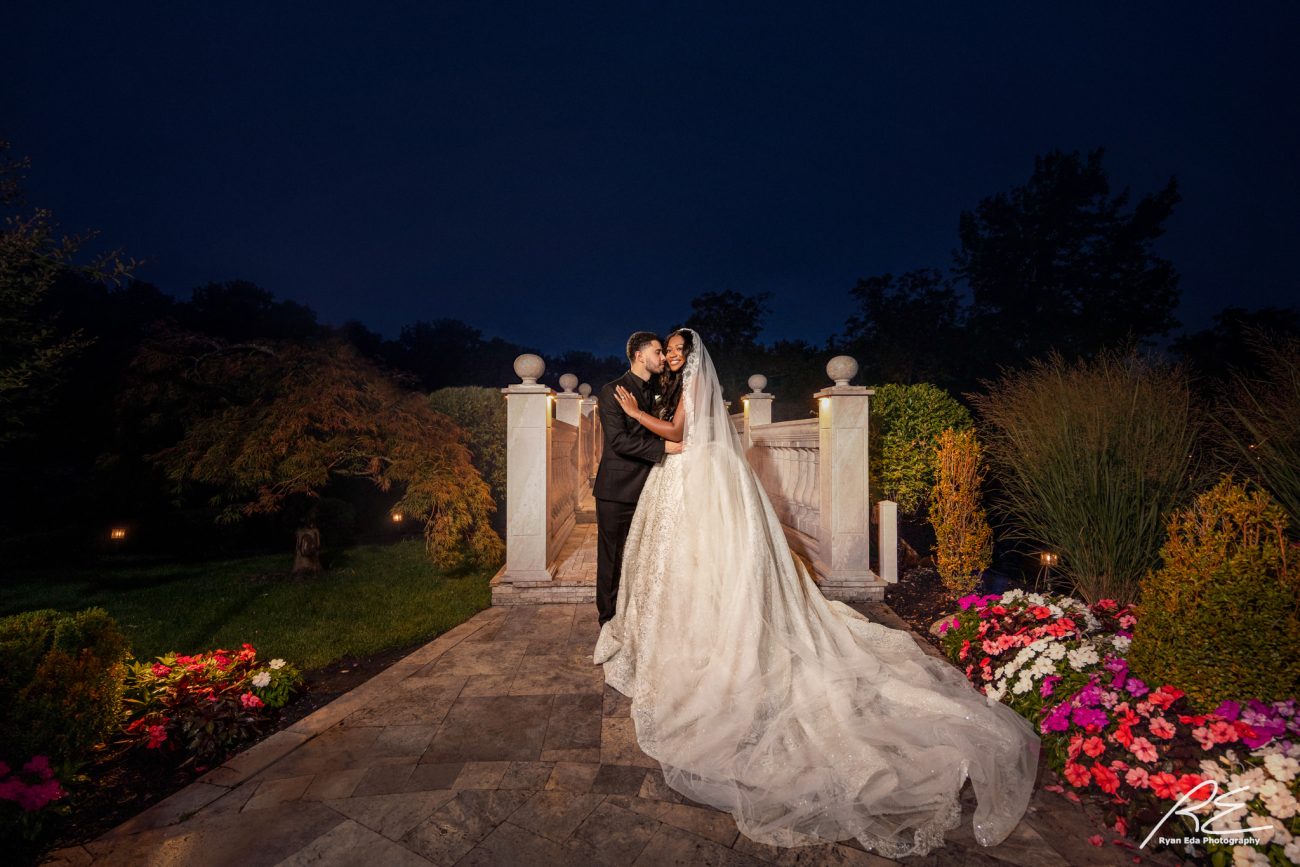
x=529, y=367
x=757, y=383
x=568, y=382
x=842, y=368
x=585, y=389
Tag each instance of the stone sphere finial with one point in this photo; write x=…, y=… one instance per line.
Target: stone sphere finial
x=757, y=383
x=529, y=367
x=568, y=382
x=585, y=389
x=842, y=368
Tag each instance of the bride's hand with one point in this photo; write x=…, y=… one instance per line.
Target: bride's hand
x=626, y=401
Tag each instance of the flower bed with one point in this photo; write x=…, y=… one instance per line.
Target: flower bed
x=1135, y=750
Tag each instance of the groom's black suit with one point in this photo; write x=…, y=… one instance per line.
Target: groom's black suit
x=630, y=452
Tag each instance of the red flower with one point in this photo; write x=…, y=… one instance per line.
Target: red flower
x=965, y=648
x=1076, y=745
x=1094, y=746
x=1165, y=785
x=160, y=670
x=1077, y=774
x=1042, y=612
x=157, y=734
x=1107, y=780
x=1165, y=696
x=1124, y=735
x=250, y=701
x=1187, y=782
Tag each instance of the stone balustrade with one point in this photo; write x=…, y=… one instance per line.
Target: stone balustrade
x=815, y=472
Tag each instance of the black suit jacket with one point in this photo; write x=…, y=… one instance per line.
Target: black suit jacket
x=630, y=449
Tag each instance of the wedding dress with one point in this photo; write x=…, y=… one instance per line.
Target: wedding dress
x=758, y=696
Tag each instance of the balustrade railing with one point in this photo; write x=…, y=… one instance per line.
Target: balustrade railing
x=814, y=472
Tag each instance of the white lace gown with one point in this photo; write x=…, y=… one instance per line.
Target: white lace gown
x=757, y=695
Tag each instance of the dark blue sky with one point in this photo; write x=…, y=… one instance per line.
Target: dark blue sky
x=559, y=173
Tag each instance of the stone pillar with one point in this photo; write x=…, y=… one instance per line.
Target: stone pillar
x=590, y=433
x=567, y=402
x=528, y=422
x=758, y=407
x=889, y=541
x=844, y=546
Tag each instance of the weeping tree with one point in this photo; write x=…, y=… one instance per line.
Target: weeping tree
x=1089, y=459
x=264, y=424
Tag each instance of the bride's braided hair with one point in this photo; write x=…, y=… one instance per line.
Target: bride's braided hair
x=670, y=384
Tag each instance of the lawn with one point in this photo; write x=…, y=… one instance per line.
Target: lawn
x=370, y=598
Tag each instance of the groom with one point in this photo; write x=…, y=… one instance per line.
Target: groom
x=630, y=452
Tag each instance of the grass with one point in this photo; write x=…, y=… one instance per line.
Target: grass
x=370, y=598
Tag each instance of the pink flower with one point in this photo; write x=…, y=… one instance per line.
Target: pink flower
x=1143, y=749
x=1223, y=732
x=223, y=662
x=1121, y=826
x=1203, y=737
x=157, y=735
x=160, y=670
x=1095, y=839
x=39, y=765
x=1137, y=778
x=250, y=701
x=1162, y=728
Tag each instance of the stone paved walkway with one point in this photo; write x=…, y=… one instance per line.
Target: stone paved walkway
x=496, y=744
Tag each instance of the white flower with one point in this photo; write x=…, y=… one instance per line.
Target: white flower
x=1121, y=643
x=1248, y=856
x=1292, y=850
x=1083, y=656
x=261, y=679
x=1281, y=767
x=277, y=664
x=1012, y=594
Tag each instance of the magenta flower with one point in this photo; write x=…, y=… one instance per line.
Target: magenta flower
x=1085, y=716
x=1046, y=689
x=1228, y=710
x=1136, y=688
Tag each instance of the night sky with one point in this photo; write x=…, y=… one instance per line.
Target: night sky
x=560, y=174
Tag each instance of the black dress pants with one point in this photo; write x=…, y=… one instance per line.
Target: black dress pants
x=613, y=520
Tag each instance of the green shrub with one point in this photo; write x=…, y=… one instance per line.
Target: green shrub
x=1088, y=459
x=60, y=684
x=482, y=413
x=906, y=421
x=1221, y=617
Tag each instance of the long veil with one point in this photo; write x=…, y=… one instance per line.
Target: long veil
x=801, y=718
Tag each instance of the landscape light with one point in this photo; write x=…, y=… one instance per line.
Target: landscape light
x=398, y=517
x=1047, y=558
x=117, y=533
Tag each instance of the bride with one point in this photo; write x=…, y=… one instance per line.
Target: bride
x=757, y=695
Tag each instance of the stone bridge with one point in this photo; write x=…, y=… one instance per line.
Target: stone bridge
x=813, y=470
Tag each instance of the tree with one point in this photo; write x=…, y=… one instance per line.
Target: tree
x=240, y=310
x=1059, y=263
x=729, y=323
x=906, y=329
x=34, y=353
x=1232, y=343
x=269, y=423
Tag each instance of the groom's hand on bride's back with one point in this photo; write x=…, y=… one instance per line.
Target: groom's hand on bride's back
x=672, y=448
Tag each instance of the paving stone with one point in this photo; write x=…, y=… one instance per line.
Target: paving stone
x=511, y=846
x=475, y=812
x=554, y=814
x=481, y=775
x=673, y=846
x=574, y=723
x=275, y=792
x=618, y=744
x=350, y=843
x=386, y=778
x=619, y=780
x=437, y=843
x=488, y=684
x=434, y=776
x=492, y=728
x=573, y=776
x=588, y=755
x=527, y=775
x=616, y=704
x=168, y=811
x=392, y=815
x=340, y=748
x=72, y=856
x=557, y=673
x=828, y=854
x=612, y=835
x=701, y=821
x=656, y=789
x=334, y=784
x=467, y=659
